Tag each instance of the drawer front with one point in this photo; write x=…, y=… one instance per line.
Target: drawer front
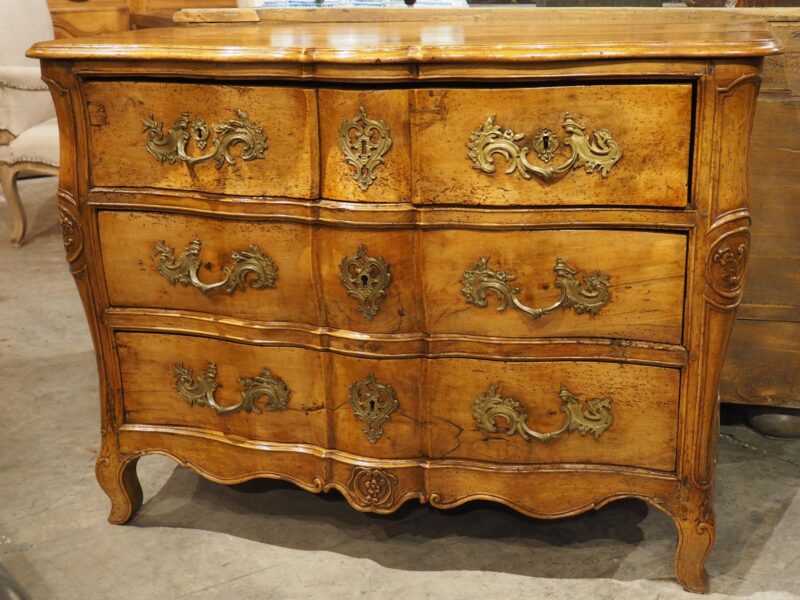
x=515, y=412
x=364, y=145
x=179, y=262
x=232, y=139
x=554, y=412
x=615, y=145
x=267, y=394
x=587, y=283
x=272, y=394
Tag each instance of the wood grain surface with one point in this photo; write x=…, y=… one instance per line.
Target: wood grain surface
x=290, y=166
x=647, y=121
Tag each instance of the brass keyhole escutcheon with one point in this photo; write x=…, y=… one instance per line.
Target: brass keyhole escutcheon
x=366, y=279
x=374, y=404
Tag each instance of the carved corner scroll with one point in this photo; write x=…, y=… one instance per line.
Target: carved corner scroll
x=593, y=416
x=374, y=404
x=201, y=391
x=596, y=152
x=587, y=296
x=366, y=279
x=249, y=266
x=172, y=146
x=364, y=142
x=372, y=488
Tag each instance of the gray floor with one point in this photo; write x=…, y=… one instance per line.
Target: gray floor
x=195, y=539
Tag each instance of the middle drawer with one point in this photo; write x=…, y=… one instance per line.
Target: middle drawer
x=502, y=284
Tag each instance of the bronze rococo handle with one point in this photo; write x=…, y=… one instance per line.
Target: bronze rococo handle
x=596, y=152
x=588, y=296
x=171, y=147
x=593, y=416
x=201, y=391
x=249, y=266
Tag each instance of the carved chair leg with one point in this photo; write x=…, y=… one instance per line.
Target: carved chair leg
x=8, y=179
x=117, y=476
x=695, y=539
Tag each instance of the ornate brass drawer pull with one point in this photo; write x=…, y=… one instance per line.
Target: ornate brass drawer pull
x=364, y=142
x=596, y=152
x=587, y=296
x=374, y=404
x=593, y=416
x=365, y=278
x=171, y=147
x=249, y=266
x=201, y=391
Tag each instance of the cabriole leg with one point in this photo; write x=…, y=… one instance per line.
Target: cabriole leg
x=117, y=476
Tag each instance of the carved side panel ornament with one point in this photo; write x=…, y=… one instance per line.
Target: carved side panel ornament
x=374, y=404
x=596, y=152
x=365, y=278
x=249, y=266
x=372, y=488
x=172, y=146
x=71, y=233
x=364, y=142
x=727, y=263
x=201, y=391
x=587, y=296
x=593, y=416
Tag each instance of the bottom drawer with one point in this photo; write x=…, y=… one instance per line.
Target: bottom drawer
x=600, y=412
x=579, y=412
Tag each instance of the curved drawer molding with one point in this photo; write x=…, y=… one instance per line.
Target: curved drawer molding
x=249, y=267
x=171, y=147
x=588, y=296
x=364, y=142
x=592, y=417
x=365, y=278
x=374, y=404
x=200, y=391
x=596, y=152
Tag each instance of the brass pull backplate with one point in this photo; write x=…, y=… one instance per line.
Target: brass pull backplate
x=171, y=147
x=596, y=152
x=593, y=416
x=249, y=267
x=588, y=296
x=201, y=391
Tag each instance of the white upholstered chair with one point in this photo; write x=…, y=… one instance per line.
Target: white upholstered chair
x=28, y=129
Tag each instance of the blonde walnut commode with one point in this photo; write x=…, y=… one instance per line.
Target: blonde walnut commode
x=412, y=264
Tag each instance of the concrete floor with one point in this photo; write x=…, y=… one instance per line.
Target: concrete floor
x=268, y=540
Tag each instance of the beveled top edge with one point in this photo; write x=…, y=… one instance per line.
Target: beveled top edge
x=493, y=38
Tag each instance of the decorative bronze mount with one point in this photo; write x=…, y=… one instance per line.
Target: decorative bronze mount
x=592, y=417
x=588, y=296
x=374, y=404
x=364, y=142
x=201, y=391
x=171, y=147
x=366, y=279
x=249, y=266
x=598, y=152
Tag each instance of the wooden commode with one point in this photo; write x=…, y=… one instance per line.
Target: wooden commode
x=432, y=255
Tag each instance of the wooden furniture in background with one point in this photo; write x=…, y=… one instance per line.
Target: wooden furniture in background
x=90, y=17
x=762, y=363
x=295, y=270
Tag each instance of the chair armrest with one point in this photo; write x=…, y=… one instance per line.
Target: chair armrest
x=24, y=99
x=27, y=79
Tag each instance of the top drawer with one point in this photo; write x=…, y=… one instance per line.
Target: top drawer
x=255, y=140
x=615, y=145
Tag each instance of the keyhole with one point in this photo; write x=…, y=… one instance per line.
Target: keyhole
x=364, y=281
x=546, y=141
x=372, y=406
